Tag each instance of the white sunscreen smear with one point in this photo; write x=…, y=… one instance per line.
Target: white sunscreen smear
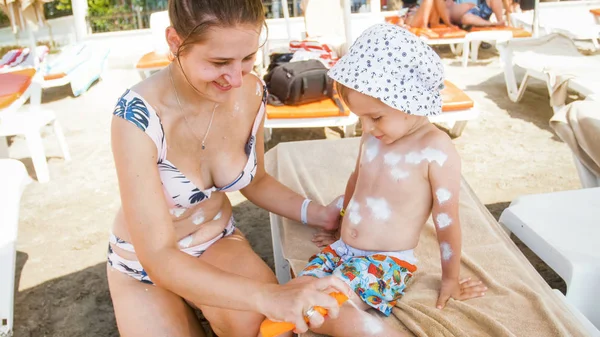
x=442, y=195
x=392, y=158
x=185, y=242
x=258, y=89
x=371, y=149
x=370, y=324
x=443, y=220
x=446, y=251
x=429, y=154
x=340, y=203
x=198, y=217
x=433, y=155
x=399, y=174
x=353, y=212
x=218, y=216
x=177, y=211
x=379, y=208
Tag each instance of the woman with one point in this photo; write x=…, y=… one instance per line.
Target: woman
x=181, y=139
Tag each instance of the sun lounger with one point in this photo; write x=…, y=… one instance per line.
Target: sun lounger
x=15, y=119
x=18, y=59
x=78, y=65
x=553, y=59
x=518, y=302
x=562, y=229
x=13, y=179
x=574, y=19
x=442, y=35
x=457, y=110
x=324, y=113
x=498, y=34
x=151, y=62
x=160, y=56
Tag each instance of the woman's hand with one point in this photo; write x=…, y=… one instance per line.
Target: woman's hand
x=290, y=302
x=330, y=214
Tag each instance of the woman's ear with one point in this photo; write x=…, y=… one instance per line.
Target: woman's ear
x=173, y=40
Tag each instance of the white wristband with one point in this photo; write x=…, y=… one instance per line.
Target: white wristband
x=304, y=211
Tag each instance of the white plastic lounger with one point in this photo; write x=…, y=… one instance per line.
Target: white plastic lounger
x=13, y=179
x=547, y=58
x=572, y=18
x=79, y=65
x=562, y=229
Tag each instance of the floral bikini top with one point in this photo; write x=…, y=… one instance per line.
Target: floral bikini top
x=179, y=191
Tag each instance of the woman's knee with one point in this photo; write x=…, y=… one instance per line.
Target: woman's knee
x=230, y=323
x=146, y=310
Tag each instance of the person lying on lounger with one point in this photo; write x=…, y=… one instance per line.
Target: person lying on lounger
x=407, y=169
x=424, y=13
x=478, y=12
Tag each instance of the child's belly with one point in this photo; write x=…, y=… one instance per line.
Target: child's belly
x=383, y=216
x=382, y=237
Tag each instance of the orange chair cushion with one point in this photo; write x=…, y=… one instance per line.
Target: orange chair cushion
x=595, y=11
x=439, y=32
x=323, y=108
x=454, y=99
x=54, y=76
x=154, y=60
x=517, y=32
x=13, y=85
x=394, y=19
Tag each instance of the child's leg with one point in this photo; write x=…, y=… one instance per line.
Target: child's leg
x=354, y=321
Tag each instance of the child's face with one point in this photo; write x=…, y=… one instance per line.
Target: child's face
x=380, y=120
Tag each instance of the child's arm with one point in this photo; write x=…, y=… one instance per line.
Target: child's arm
x=445, y=187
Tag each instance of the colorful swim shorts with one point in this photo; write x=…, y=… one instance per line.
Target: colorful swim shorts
x=379, y=278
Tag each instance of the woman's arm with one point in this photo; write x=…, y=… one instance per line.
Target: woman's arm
x=268, y=193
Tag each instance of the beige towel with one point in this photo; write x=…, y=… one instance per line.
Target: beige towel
x=558, y=86
x=578, y=125
x=518, y=302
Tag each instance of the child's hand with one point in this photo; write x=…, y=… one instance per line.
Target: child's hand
x=464, y=290
x=324, y=238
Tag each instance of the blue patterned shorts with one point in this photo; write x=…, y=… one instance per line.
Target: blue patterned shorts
x=378, y=278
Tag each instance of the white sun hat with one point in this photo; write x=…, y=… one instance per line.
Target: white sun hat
x=391, y=64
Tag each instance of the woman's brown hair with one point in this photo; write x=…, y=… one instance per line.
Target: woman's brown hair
x=193, y=18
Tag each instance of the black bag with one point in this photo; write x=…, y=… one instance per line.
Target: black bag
x=298, y=83
x=277, y=59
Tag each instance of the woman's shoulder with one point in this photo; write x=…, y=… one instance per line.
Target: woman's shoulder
x=132, y=107
x=254, y=90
